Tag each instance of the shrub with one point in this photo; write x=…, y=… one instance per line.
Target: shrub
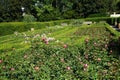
x=29, y=18
x=68, y=14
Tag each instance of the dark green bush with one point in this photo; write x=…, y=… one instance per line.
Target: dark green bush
x=98, y=15
x=68, y=14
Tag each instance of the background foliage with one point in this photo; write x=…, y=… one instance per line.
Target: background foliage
x=45, y=10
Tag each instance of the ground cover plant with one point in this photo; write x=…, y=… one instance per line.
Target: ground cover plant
x=67, y=52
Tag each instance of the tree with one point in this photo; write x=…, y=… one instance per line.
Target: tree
x=44, y=10
x=118, y=6
x=10, y=10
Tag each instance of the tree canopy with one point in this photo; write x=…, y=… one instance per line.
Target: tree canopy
x=45, y=10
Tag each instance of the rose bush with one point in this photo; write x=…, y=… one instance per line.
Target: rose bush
x=68, y=58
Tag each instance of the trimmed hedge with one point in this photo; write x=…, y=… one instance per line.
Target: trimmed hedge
x=109, y=20
x=11, y=27
x=114, y=32
x=98, y=15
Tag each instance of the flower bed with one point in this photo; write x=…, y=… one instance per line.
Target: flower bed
x=71, y=53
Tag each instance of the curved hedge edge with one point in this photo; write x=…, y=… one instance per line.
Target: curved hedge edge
x=114, y=32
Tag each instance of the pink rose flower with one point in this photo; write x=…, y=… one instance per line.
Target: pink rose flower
x=99, y=59
x=25, y=56
x=43, y=39
x=68, y=67
x=86, y=40
x=65, y=46
x=36, y=68
x=106, y=45
x=46, y=42
x=111, y=51
x=1, y=61
x=62, y=59
x=85, y=65
x=95, y=44
x=12, y=69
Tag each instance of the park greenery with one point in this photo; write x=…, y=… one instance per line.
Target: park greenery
x=59, y=40
x=45, y=10
x=61, y=51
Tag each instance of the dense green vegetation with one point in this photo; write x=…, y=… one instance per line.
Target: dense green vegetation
x=80, y=45
x=7, y=28
x=11, y=27
x=67, y=51
x=45, y=10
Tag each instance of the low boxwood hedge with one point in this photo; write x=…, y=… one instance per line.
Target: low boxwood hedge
x=109, y=20
x=114, y=32
x=11, y=27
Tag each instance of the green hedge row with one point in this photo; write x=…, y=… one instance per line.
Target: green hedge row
x=107, y=19
x=11, y=27
x=114, y=32
x=98, y=15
